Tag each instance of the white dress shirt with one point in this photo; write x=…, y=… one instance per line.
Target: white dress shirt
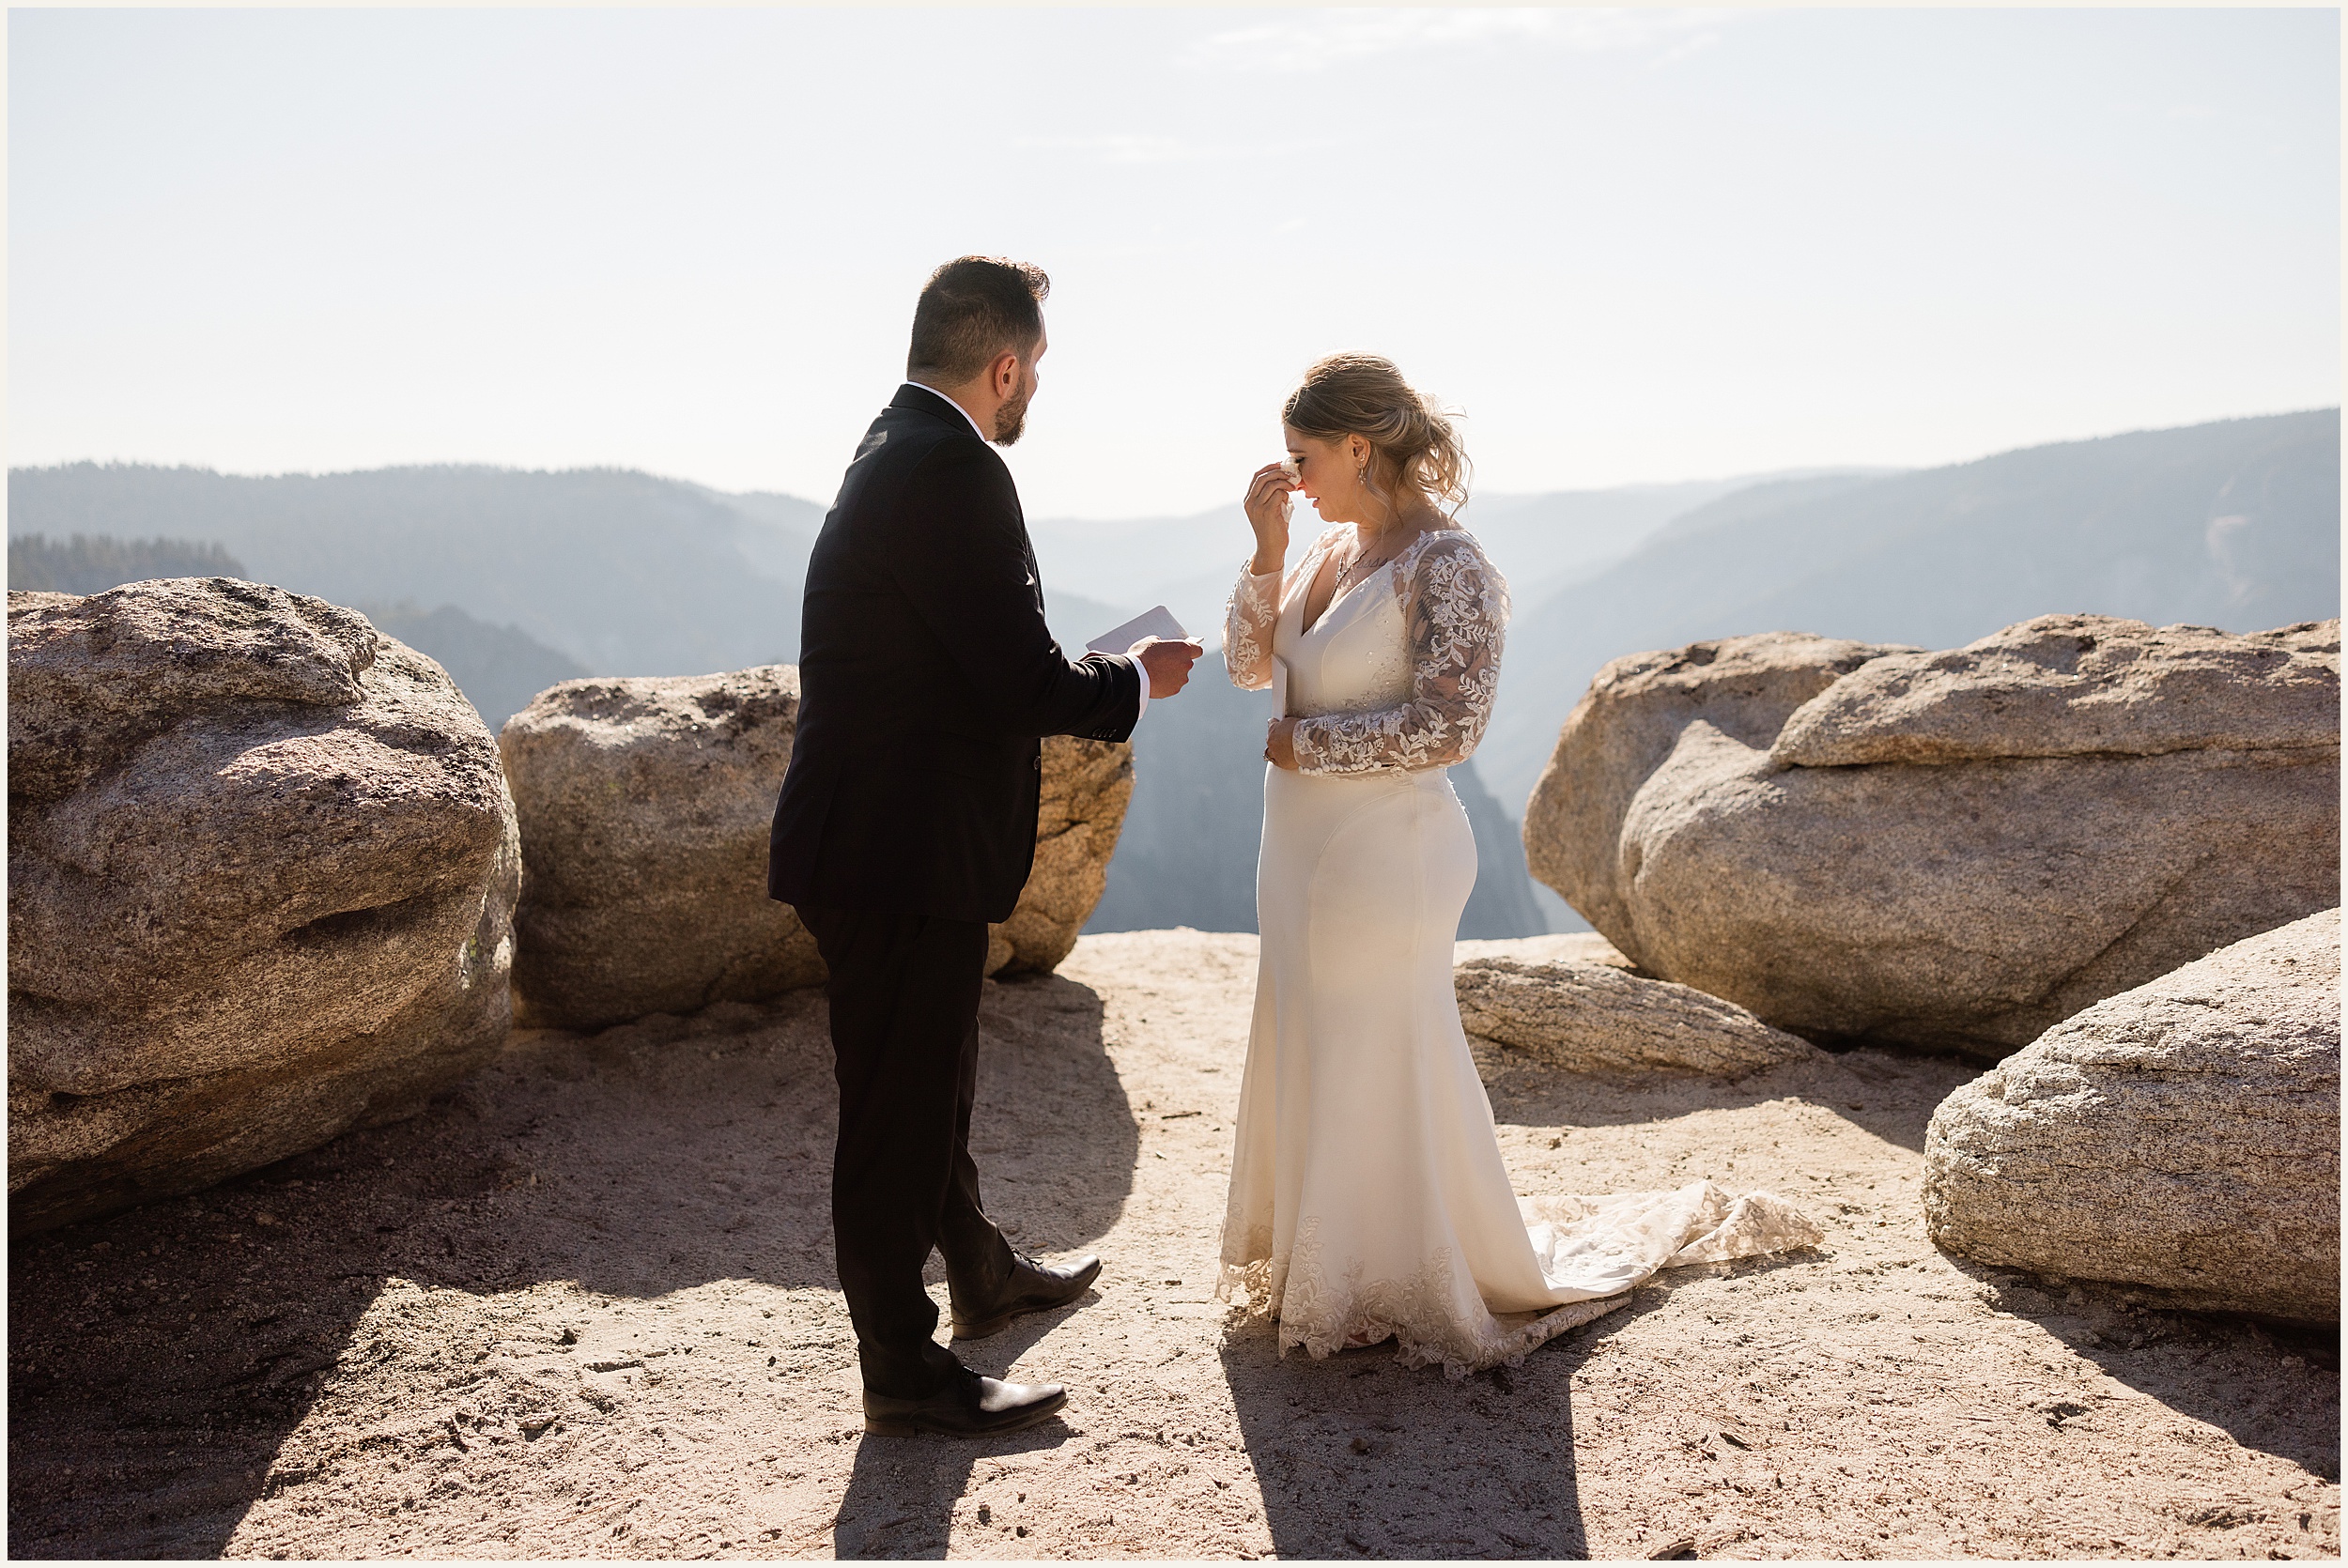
x=985, y=437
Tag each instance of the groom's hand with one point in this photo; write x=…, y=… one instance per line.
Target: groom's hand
x=1166, y=663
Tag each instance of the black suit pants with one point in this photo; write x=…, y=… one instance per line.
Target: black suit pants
x=904, y=1035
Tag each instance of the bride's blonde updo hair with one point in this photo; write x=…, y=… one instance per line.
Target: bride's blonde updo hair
x=1365, y=395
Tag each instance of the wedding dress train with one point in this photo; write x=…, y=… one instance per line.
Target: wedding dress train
x=1369, y=1200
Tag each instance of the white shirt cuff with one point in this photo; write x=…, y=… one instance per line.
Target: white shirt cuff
x=1143, y=676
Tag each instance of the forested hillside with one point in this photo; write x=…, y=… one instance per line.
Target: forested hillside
x=624, y=573
x=91, y=564
x=498, y=669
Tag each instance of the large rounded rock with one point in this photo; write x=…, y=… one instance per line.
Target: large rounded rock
x=1626, y=726
x=1952, y=850
x=1555, y=947
x=1086, y=787
x=2182, y=1137
x=261, y=869
x=645, y=807
x=645, y=804
x=1596, y=1018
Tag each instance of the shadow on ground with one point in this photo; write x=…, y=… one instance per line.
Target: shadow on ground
x=2215, y=1369
x=902, y=1492
x=160, y=1358
x=1359, y=1456
x=1890, y=1096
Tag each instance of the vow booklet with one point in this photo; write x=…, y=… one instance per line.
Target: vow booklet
x=1279, y=688
x=1157, y=620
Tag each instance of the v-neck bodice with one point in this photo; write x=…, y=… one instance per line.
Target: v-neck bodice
x=1401, y=668
x=1356, y=656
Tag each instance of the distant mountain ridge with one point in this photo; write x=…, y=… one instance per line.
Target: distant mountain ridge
x=498, y=669
x=625, y=572
x=1539, y=542
x=507, y=577
x=2233, y=524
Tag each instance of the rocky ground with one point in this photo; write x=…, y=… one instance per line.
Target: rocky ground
x=584, y=1308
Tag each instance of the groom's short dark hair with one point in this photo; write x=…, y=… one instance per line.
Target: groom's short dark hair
x=972, y=309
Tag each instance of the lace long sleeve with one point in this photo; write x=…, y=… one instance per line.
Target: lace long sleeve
x=1455, y=606
x=1248, y=622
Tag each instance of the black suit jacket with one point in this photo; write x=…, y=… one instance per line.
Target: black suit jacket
x=926, y=678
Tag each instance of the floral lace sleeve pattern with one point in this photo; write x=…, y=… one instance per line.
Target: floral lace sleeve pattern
x=1456, y=605
x=1248, y=622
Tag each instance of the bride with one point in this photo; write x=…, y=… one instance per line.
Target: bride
x=1368, y=1201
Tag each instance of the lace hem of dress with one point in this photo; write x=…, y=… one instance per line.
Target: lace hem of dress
x=1323, y=1316
x=1511, y=1338
x=1432, y=1322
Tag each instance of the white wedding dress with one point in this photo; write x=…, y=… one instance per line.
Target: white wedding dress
x=1367, y=1199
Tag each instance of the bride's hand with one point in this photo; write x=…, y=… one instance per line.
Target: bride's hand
x=1279, y=747
x=1268, y=515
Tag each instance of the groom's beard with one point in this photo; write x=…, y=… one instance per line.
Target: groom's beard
x=1012, y=418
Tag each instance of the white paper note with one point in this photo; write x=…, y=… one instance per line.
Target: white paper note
x=1279, y=688
x=1157, y=620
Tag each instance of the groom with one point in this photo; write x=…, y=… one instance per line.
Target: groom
x=907, y=822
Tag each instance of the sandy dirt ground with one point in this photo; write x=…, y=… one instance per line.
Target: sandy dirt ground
x=585, y=1308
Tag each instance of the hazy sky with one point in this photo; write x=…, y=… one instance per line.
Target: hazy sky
x=1632, y=246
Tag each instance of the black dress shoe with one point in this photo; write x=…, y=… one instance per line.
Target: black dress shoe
x=969, y=1407
x=1032, y=1288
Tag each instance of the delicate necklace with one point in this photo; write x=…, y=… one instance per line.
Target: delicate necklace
x=1346, y=577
